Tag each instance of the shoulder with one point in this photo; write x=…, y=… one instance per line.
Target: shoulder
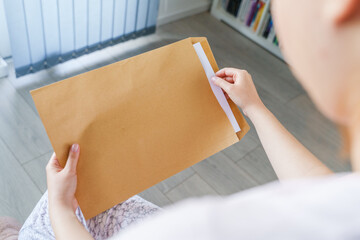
x=323, y=208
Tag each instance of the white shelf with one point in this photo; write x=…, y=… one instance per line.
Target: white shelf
x=4, y=70
x=235, y=22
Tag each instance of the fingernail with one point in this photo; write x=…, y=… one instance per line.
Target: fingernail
x=75, y=147
x=213, y=79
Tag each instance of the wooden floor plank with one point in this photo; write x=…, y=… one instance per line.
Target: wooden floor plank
x=240, y=149
x=194, y=186
x=18, y=194
x=36, y=170
x=223, y=175
x=175, y=180
x=21, y=128
x=317, y=133
x=258, y=166
x=155, y=196
x=25, y=84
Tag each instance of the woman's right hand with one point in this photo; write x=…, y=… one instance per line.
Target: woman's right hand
x=238, y=85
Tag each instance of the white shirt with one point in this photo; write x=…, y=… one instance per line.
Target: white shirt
x=321, y=208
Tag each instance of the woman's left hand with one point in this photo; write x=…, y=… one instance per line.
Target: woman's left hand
x=62, y=202
x=62, y=181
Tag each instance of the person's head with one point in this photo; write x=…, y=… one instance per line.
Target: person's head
x=320, y=39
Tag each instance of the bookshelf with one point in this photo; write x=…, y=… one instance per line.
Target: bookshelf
x=238, y=16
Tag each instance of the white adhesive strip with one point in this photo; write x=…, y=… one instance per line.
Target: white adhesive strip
x=216, y=90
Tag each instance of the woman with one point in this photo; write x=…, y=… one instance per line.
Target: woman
x=320, y=41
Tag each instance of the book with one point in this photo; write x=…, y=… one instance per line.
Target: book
x=268, y=27
x=251, y=12
x=264, y=23
x=275, y=41
x=233, y=7
x=258, y=5
x=224, y=4
x=271, y=35
x=244, y=8
x=261, y=6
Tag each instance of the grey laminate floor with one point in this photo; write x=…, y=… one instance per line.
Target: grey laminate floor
x=25, y=149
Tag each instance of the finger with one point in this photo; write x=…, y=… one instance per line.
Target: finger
x=221, y=83
x=229, y=79
x=53, y=164
x=226, y=72
x=73, y=158
x=240, y=75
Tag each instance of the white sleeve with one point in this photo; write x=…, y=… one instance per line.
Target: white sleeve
x=310, y=209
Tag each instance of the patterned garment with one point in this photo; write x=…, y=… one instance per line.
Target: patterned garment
x=103, y=226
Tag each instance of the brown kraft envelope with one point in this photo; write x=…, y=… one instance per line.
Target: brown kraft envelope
x=138, y=122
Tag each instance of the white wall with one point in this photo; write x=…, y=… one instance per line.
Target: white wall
x=172, y=10
x=169, y=10
x=5, y=50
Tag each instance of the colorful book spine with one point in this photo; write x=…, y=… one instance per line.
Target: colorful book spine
x=261, y=6
x=251, y=12
x=268, y=28
x=264, y=23
x=254, y=15
x=275, y=41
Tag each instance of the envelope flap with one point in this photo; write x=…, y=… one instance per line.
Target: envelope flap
x=239, y=117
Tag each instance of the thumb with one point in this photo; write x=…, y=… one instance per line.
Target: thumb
x=53, y=165
x=225, y=85
x=73, y=158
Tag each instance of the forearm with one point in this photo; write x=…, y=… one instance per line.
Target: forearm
x=66, y=225
x=289, y=158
